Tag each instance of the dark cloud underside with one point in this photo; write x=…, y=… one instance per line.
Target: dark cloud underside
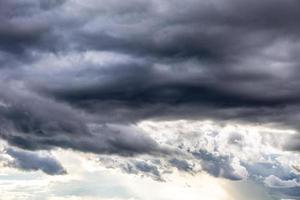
x=80, y=75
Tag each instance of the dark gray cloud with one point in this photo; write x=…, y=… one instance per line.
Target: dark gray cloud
x=181, y=165
x=227, y=55
x=32, y=161
x=79, y=75
x=144, y=169
x=21, y=30
x=33, y=122
x=230, y=57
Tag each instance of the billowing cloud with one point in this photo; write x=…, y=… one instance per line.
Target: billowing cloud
x=34, y=122
x=225, y=66
x=84, y=75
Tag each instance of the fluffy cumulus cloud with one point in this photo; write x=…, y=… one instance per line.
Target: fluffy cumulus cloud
x=236, y=152
x=113, y=78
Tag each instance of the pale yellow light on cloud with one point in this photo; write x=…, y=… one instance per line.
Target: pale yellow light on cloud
x=88, y=180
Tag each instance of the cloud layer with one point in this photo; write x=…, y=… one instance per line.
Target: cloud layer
x=81, y=76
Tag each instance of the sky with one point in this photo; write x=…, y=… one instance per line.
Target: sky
x=149, y=99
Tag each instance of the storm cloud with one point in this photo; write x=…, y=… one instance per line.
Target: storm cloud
x=127, y=56
x=33, y=122
x=81, y=76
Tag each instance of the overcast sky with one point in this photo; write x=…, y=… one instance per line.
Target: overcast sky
x=150, y=99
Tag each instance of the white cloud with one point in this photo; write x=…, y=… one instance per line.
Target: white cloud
x=275, y=182
x=234, y=147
